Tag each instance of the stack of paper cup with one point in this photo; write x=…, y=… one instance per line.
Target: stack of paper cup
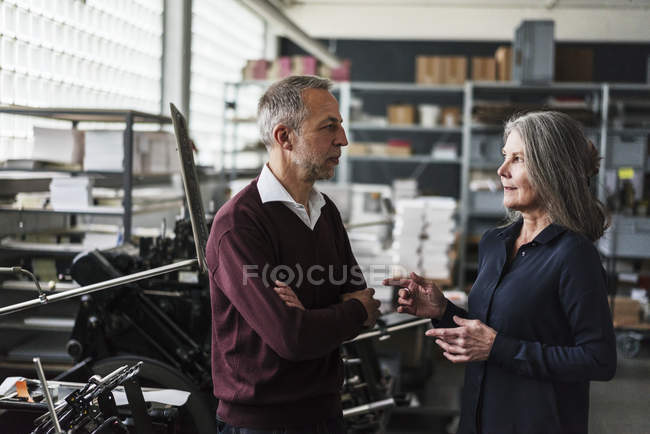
x=429, y=115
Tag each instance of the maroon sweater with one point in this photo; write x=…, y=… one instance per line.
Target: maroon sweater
x=274, y=366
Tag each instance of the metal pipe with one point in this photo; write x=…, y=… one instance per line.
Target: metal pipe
x=604, y=120
x=395, y=328
x=46, y=392
x=272, y=14
x=468, y=102
x=17, y=270
x=99, y=286
x=127, y=180
x=367, y=408
x=98, y=379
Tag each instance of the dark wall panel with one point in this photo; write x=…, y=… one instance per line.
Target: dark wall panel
x=390, y=60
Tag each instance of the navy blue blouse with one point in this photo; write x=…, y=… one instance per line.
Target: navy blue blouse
x=554, y=333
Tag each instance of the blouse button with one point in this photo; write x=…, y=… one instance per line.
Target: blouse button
x=523, y=253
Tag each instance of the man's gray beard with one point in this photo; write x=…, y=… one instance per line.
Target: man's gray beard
x=314, y=171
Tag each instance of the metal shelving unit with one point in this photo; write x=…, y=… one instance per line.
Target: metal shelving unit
x=392, y=87
x=97, y=210
x=498, y=91
x=359, y=126
x=408, y=91
x=232, y=121
x=597, y=94
x=635, y=160
x=411, y=159
x=76, y=115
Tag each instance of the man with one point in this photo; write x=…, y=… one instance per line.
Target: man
x=286, y=290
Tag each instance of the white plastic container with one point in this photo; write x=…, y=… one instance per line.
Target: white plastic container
x=429, y=115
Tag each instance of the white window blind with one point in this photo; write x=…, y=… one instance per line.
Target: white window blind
x=224, y=35
x=72, y=53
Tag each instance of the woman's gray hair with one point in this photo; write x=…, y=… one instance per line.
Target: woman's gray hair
x=561, y=161
x=282, y=103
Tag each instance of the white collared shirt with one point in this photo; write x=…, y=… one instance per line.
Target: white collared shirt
x=271, y=190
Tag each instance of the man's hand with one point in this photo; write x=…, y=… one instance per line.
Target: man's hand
x=371, y=305
x=470, y=342
x=419, y=296
x=287, y=295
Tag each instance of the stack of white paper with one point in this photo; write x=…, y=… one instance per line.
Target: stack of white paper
x=405, y=189
x=105, y=150
x=65, y=146
x=73, y=192
x=423, y=232
x=157, y=152
x=153, y=151
x=100, y=240
x=36, y=199
x=340, y=194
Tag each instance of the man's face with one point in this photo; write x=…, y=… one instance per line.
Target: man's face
x=318, y=144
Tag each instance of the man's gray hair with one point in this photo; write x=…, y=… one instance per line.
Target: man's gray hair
x=561, y=161
x=283, y=103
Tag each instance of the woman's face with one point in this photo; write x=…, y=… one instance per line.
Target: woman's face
x=518, y=193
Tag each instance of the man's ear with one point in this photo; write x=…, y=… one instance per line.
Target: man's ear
x=282, y=136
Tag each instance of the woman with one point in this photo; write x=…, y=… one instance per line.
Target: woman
x=538, y=328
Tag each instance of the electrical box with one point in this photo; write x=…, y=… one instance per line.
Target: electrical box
x=627, y=151
x=534, y=52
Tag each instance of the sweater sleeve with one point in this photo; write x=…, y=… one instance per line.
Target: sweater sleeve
x=592, y=356
x=243, y=260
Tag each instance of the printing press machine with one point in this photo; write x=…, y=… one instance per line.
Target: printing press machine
x=164, y=322
x=156, y=316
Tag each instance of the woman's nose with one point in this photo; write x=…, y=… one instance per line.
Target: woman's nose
x=503, y=169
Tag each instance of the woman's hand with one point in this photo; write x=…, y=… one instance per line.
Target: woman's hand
x=470, y=342
x=419, y=296
x=287, y=295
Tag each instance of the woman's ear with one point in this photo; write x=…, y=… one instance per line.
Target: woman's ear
x=282, y=136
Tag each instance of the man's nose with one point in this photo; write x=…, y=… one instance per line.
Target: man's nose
x=341, y=139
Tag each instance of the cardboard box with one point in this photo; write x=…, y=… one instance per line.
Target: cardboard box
x=429, y=69
x=280, y=68
x=357, y=148
x=303, y=65
x=484, y=69
x=398, y=151
x=401, y=114
x=503, y=57
x=377, y=148
x=626, y=311
x=342, y=73
x=450, y=116
x=399, y=148
x=455, y=70
x=574, y=64
x=255, y=69
x=440, y=69
x=247, y=71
